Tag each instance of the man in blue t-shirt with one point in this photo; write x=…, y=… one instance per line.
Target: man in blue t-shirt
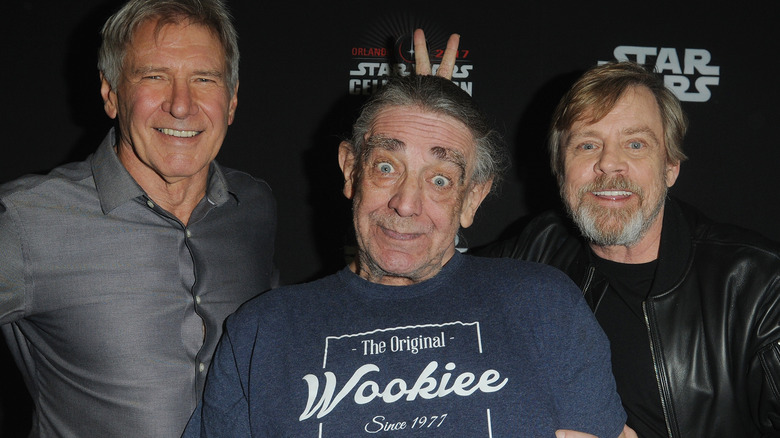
x=414, y=338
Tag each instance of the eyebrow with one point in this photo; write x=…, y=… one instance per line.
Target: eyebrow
x=383, y=142
x=442, y=153
x=628, y=131
x=153, y=69
x=641, y=130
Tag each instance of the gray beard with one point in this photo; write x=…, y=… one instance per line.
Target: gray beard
x=632, y=231
x=634, y=224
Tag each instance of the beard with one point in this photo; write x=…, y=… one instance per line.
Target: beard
x=604, y=226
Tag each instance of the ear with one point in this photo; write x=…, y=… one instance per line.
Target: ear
x=347, y=164
x=233, y=105
x=472, y=201
x=109, y=97
x=672, y=172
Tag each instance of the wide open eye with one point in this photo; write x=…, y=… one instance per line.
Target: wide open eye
x=440, y=181
x=385, y=167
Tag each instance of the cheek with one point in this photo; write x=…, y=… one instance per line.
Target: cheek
x=577, y=168
x=571, y=183
x=445, y=211
x=139, y=109
x=216, y=106
x=367, y=200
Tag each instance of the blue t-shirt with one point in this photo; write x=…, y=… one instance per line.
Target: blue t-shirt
x=486, y=348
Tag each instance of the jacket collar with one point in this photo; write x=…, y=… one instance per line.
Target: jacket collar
x=675, y=250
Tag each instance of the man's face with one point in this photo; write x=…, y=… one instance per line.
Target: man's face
x=411, y=193
x=616, y=173
x=172, y=102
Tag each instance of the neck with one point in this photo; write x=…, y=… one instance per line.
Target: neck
x=178, y=200
x=178, y=196
x=366, y=268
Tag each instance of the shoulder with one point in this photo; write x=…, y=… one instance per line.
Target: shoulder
x=243, y=183
x=540, y=238
x=731, y=236
x=517, y=279
x=34, y=189
x=509, y=267
x=251, y=195
x=278, y=306
x=732, y=240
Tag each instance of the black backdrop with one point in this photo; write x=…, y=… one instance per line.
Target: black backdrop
x=305, y=66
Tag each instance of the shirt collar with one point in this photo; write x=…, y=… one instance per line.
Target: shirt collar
x=115, y=186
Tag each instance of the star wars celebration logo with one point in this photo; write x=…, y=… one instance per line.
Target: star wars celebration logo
x=378, y=57
x=687, y=72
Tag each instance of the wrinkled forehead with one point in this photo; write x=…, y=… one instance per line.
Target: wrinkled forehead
x=414, y=127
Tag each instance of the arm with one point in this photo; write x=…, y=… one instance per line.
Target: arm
x=12, y=281
x=422, y=62
x=763, y=372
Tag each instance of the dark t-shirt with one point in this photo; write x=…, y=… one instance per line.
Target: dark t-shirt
x=621, y=315
x=488, y=347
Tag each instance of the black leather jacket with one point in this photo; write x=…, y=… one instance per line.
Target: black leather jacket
x=713, y=317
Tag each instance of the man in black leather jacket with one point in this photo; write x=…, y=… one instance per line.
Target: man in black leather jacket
x=689, y=305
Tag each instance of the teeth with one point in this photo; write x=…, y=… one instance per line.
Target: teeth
x=176, y=133
x=612, y=193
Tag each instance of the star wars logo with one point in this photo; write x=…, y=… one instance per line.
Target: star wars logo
x=689, y=77
x=367, y=77
x=372, y=68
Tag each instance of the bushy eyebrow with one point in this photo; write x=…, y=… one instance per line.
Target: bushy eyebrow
x=383, y=142
x=453, y=156
x=443, y=153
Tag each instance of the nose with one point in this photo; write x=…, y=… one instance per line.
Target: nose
x=180, y=104
x=611, y=160
x=407, y=199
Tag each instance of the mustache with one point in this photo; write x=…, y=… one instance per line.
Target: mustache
x=617, y=182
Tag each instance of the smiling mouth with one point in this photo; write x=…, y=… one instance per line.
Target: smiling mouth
x=177, y=133
x=400, y=236
x=612, y=193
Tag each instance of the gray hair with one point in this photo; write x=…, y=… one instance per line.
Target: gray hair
x=595, y=94
x=118, y=31
x=440, y=96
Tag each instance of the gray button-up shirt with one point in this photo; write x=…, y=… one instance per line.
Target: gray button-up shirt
x=110, y=305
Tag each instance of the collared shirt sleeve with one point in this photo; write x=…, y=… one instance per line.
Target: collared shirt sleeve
x=12, y=285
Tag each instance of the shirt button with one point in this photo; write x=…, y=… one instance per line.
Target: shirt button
x=197, y=300
x=201, y=367
x=150, y=203
x=188, y=233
